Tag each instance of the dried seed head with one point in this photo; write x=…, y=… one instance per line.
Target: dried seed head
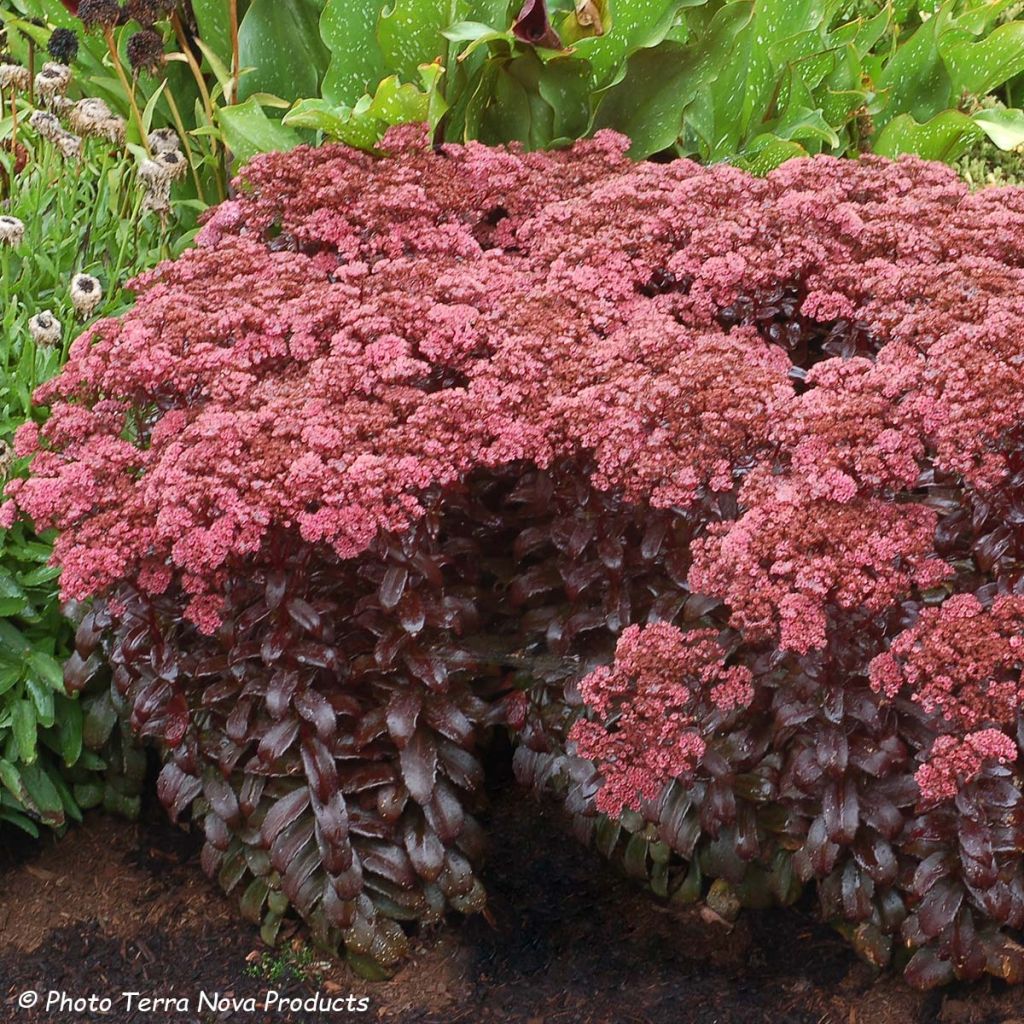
x=93, y=118
x=46, y=125
x=146, y=51
x=45, y=329
x=164, y=140
x=7, y=458
x=12, y=231
x=60, y=105
x=63, y=45
x=86, y=293
x=148, y=12
x=101, y=14
x=14, y=76
x=87, y=114
x=173, y=163
x=52, y=81
x=151, y=173
x=69, y=144
x=113, y=130
x=158, y=197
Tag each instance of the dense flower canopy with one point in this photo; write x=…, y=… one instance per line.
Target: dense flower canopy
x=808, y=384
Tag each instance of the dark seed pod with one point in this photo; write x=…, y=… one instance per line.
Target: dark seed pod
x=99, y=14
x=146, y=51
x=63, y=45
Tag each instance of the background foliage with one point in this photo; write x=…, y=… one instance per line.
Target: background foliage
x=78, y=217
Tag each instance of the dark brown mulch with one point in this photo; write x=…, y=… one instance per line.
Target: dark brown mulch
x=114, y=908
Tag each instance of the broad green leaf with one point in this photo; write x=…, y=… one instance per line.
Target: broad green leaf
x=42, y=701
x=23, y=726
x=48, y=669
x=214, y=21
x=979, y=67
x=11, y=778
x=945, y=137
x=12, y=640
x=43, y=794
x=247, y=130
x=631, y=25
x=470, y=31
x=1005, y=127
x=69, y=731
x=915, y=82
x=281, y=43
x=767, y=152
x=409, y=34
x=365, y=123
x=349, y=30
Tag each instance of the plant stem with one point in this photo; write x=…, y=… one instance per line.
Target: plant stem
x=129, y=89
x=197, y=73
x=185, y=141
x=235, y=63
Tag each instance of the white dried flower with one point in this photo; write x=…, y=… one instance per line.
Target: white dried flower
x=86, y=114
x=158, y=197
x=7, y=458
x=112, y=130
x=60, y=105
x=173, y=163
x=46, y=124
x=52, y=81
x=45, y=329
x=12, y=231
x=69, y=144
x=86, y=293
x=151, y=173
x=14, y=76
x=164, y=140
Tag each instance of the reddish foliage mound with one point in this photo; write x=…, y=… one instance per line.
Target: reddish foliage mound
x=407, y=435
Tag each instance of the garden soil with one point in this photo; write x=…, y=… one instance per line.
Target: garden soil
x=113, y=908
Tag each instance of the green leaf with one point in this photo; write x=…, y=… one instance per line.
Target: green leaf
x=48, y=669
x=214, y=22
x=915, y=81
x=635, y=25
x=281, y=43
x=43, y=794
x=69, y=731
x=1004, y=127
x=12, y=640
x=365, y=123
x=945, y=137
x=349, y=30
x=42, y=701
x=660, y=83
x=11, y=778
x=767, y=152
x=248, y=131
x=979, y=67
x=409, y=34
x=23, y=726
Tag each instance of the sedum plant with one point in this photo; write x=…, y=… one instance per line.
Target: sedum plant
x=706, y=485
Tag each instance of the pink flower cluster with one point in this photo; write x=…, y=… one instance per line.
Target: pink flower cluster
x=955, y=761
x=649, y=710
x=354, y=333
